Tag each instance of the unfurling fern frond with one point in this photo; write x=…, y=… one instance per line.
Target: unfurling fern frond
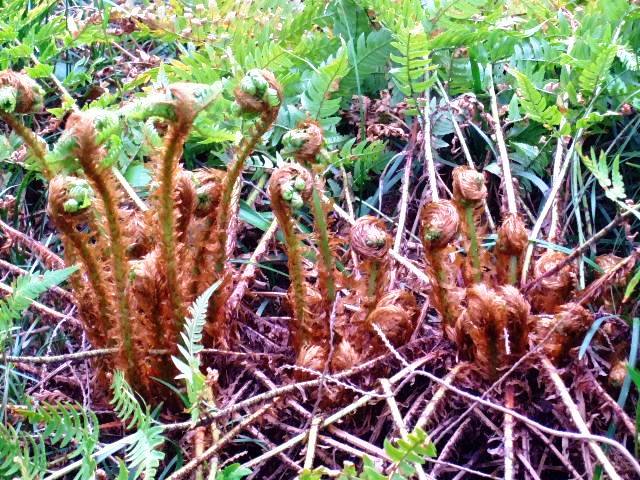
x=412, y=75
x=317, y=94
x=189, y=364
x=596, y=70
x=143, y=455
x=534, y=103
x=25, y=290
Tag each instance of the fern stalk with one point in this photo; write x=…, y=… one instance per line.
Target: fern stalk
x=474, y=246
x=173, y=150
x=320, y=224
x=107, y=194
x=31, y=140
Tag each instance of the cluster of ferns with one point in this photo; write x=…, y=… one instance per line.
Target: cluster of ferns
x=140, y=270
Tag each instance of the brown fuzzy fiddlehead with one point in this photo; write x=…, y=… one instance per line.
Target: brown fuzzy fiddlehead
x=566, y=328
x=552, y=290
x=511, y=244
x=20, y=94
x=440, y=226
x=81, y=131
x=493, y=329
x=68, y=205
x=371, y=241
x=258, y=94
x=290, y=187
x=304, y=143
x=469, y=192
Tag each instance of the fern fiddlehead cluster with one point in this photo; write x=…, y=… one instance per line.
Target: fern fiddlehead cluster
x=137, y=268
x=322, y=322
x=482, y=310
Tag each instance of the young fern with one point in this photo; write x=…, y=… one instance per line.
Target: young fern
x=258, y=94
x=290, y=188
x=143, y=455
x=440, y=226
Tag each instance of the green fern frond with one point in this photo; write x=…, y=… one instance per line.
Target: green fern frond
x=534, y=103
x=143, y=455
x=20, y=455
x=596, y=70
x=124, y=402
x=628, y=57
x=371, y=53
x=409, y=451
x=26, y=289
x=189, y=364
x=610, y=179
x=318, y=93
x=412, y=75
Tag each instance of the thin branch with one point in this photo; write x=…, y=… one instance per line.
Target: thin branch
x=193, y=464
x=577, y=419
x=502, y=148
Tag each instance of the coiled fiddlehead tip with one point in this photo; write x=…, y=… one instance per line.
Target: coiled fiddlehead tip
x=369, y=237
x=29, y=96
x=258, y=92
x=549, y=260
x=68, y=196
x=189, y=99
x=304, y=142
x=291, y=184
x=512, y=235
x=468, y=185
x=440, y=224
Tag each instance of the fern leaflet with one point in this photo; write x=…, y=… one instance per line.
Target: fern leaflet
x=317, y=94
x=534, y=103
x=412, y=75
x=25, y=290
x=189, y=364
x=143, y=455
x=596, y=70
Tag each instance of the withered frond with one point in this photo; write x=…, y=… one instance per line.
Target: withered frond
x=552, y=290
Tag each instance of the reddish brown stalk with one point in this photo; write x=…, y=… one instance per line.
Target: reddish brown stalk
x=440, y=224
x=168, y=173
x=469, y=192
x=310, y=325
x=81, y=126
x=217, y=326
